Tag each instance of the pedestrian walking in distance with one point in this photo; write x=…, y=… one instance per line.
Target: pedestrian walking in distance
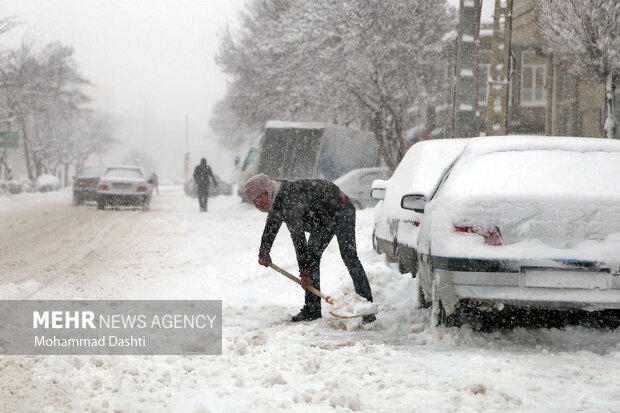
x=154, y=180
x=320, y=208
x=203, y=175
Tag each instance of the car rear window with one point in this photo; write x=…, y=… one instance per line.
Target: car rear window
x=92, y=171
x=123, y=173
x=537, y=172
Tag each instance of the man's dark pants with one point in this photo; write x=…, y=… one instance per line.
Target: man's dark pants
x=203, y=196
x=344, y=230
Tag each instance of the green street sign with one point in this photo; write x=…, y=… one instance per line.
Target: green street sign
x=9, y=139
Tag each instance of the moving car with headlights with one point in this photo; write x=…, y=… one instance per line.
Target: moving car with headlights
x=358, y=183
x=85, y=184
x=123, y=186
x=396, y=229
x=523, y=222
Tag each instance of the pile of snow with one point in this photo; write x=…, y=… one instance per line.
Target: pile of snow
x=46, y=183
x=15, y=186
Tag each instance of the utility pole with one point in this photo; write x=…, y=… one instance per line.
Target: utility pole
x=186, y=162
x=465, y=121
x=146, y=125
x=497, y=107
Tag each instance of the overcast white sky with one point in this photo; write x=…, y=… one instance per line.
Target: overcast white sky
x=153, y=56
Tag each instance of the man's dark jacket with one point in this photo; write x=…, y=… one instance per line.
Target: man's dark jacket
x=202, y=176
x=306, y=205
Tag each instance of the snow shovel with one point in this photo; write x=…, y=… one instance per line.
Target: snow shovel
x=314, y=291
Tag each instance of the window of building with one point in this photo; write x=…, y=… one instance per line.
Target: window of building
x=533, y=78
x=567, y=85
x=566, y=98
x=483, y=84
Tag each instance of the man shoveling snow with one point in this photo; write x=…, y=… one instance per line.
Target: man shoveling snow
x=320, y=208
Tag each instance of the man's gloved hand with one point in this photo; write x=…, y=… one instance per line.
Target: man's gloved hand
x=304, y=274
x=263, y=257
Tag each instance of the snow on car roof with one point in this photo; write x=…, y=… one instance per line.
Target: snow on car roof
x=419, y=172
x=424, y=163
x=551, y=165
x=478, y=146
x=537, y=173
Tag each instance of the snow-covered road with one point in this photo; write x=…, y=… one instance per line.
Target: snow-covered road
x=52, y=250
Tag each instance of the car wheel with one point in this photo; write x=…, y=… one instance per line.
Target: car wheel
x=146, y=206
x=100, y=204
x=77, y=200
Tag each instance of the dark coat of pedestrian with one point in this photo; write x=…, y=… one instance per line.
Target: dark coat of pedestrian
x=203, y=175
x=154, y=180
x=320, y=208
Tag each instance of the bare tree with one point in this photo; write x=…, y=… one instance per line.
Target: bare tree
x=42, y=91
x=586, y=35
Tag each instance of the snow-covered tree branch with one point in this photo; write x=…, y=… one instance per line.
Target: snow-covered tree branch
x=586, y=35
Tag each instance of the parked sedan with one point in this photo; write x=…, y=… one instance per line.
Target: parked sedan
x=396, y=229
x=123, y=186
x=358, y=183
x=525, y=222
x=85, y=184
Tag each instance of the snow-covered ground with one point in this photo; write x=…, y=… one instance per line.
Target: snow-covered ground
x=52, y=250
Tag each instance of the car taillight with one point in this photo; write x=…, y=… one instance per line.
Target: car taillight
x=142, y=188
x=416, y=223
x=103, y=187
x=80, y=184
x=491, y=236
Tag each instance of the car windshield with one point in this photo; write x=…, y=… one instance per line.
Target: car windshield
x=123, y=173
x=538, y=172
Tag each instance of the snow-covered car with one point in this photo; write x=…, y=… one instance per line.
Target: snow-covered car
x=85, y=184
x=396, y=229
x=46, y=183
x=358, y=182
x=124, y=186
x=523, y=222
x=222, y=188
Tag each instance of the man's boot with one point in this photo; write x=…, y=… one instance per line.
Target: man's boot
x=306, y=314
x=367, y=319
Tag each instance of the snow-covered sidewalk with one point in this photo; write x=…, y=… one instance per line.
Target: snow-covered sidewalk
x=397, y=364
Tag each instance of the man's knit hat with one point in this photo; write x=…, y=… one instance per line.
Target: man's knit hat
x=256, y=186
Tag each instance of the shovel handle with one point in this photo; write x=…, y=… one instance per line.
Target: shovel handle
x=313, y=290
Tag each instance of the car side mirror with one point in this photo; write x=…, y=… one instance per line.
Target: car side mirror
x=377, y=193
x=413, y=202
x=379, y=187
